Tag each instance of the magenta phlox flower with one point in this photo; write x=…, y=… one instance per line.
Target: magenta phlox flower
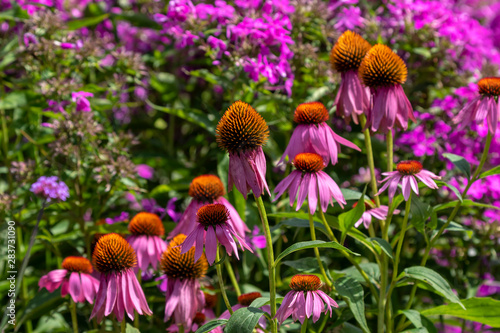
x=82, y=103
x=144, y=171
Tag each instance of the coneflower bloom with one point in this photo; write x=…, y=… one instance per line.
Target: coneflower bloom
x=147, y=229
x=383, y=71
x=380, y=213
x=74, y=278
x=309, y=180
x=184, y=297
x=305, y=300
x=241, y=132
x=119, y=291
x=407, y=173
x=483, y=106
x=313, y=135
x=213, y=227
x=244, y=300
x=352, y=98
x=207, y=189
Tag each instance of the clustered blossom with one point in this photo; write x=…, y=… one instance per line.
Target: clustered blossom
x=50, y=188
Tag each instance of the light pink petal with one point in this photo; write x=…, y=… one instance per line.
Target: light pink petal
x=237, y=173
x=406, y=187
x=75, y=287
x=200, y=240
x=88, y=287
x=414, y=184
x=190, y=240
x=304, y=186
x=393, y=186
x=211, y=245
x=312, y=197
x=139, y=293
x=119, y=310
x=101, y=296
x=131, y=301
x=283, y=185
x=294, y=186
x=110, y=295
x=318, y=306
x=309, y=304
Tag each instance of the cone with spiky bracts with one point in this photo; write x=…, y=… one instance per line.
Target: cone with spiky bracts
x=383, y=71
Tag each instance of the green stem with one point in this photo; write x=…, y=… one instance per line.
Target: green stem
x=221, y=281
x=433, y=240
x=371, y=162
x=270, y=261
x=397, y=259
x=181, y=328
x=74, y=319
x=230, y=272
x=316, y=252
x=390, y=151
x=136, y=317
x=123, y=325
x=332, y=237
x=303, y=328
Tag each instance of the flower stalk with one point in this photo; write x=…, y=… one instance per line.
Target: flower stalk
x=221, y=280
x=316, y=252
x=74, y=320
x=232, y=277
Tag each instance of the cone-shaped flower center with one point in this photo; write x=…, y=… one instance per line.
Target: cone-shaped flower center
x=247, y=299
x=409, y=167
x=199, y=318
x=381, y=67
x=305, y=283
x=241, y=128
x=310, y=113
x=206, y=188
x=146, y=224
x=77, y=264
x=212, y=215
x=489, y=86
x=182, y=266
x=210, y=299
x=308, y=162
x=113, y=253
x=348, y=52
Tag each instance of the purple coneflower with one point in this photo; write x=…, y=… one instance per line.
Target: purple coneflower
x=383, y=71
x=313, y=135
x=310, y=181
x=146, y=230
x=305, y=300
x=79, y=284
x=184, y=297
x=380, y=213
x=213, y=227
x=244, y=300
x=50, y=188
x=483, y=106
x=406, y=171
x=352, y=98
x=119, y=291
x=242, y=131
x=207, y=189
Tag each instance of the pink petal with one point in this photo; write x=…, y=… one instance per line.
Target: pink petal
x=304, y=186
x=111, y=294
x=312, y=197
x=211, y=245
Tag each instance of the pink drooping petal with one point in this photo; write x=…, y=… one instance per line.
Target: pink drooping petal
x=304, y=186
x=483, y=108
x=284, y=185
x=309, y=303
x=493, y=115
x=260, y=165
x=230, y=239
x=119, y=310
x=335, y=191
x=130, y=299
x=132, y=279
x=111, y=294
x=211, y=245
x=414, y=184
x=88, y=287
x=295, y=142
x=173, y=299
x=294, y=186
x=468, y=113
x=312, y=196
x=237, y=174
x=324, y=192
x=406, y=187
x=187, y=223
x=200, y=241
x=100, y=298
x=300, y=312
x=75, y=287
x=318, y=306
x=393, y=186
x=190, y=240
x=238, y=224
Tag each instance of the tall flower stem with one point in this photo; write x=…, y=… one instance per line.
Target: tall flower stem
x=270, y=261
x=136, y=318
x=433, y=240
x=303, y=328
x=316, y=252
x=74, y=320
x=369, y=156
x=230, y=272
x=221, y=280
x=397, y=259
x=332, y=237
x=123, y=326
x=390, y=153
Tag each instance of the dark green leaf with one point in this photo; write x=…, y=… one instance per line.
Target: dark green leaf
x=311, y=245
x=413, y=316
x=454, y=226
x=416, y=330
x=420, y=212
x=353, y=292
x=261, y=301
x=460, y=162
x=86, y=22
x=451, y=187
x=138, y=20
x=41, y=304
x=466, y=203
x=371, y=269
x=484, y=310
x=306, y=265
x=491, y=172
x=192, y=115
x=299, y=223
x=13, y=100
x=348, y=219
x=211, y=325
x=384, y=245
x=243, y=320
x=433, y=279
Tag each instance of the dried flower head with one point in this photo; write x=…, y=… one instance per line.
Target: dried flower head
x=348, y=52
x=381, y=67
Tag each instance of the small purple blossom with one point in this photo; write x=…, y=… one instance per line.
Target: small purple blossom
x=82, y=103
x=50, y=188
x=145, y=171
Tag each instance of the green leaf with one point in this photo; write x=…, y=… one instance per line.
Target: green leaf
x=451, y=187
x=13, y=100
x=433, y=279
x=131, y=329
x=460, y=162
x=371, y=269
x=211, y=325
x=261, y=301
x=466, y=203
x=454, y=226
x=86, y=22
x=384, y=245
x=352, y=195
x=420, y=212
x=311, y=245
x=416, y=330
x=348, y=219
x=306, y=265
x=413, y=316
x=243, y=320
x=484, y=310
x=299, y=223
x=41, y=304
x=192, y=115
x=353, y=292
x=491, y=172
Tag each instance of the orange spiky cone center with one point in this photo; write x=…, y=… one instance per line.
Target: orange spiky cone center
x=212, y=215
x=308, y=162
x=206, y=188
x=113, y=253
x=182, y=266
x=305, y=283
x=311, y=113
x=348, y=52
x=247, y=299
x=489, y=86
x=409, y=167
x=146, y=224
x=381, y=67
x=77, y=264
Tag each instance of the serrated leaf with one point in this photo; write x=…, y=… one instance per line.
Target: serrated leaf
x=243, y=320
x=86, y=22
x=211, y=325
x=353, y=292
x=433, y=279
x=460, y=162
x=491, y=172
x=384, y=245
x=311, y=245
x=484, y=310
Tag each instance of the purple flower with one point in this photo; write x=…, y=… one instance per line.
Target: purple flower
x=313, y=135
x=256, y=240
x=308, y=181
x=56, y=106
x=82, y=103
x=29, y=38
x=50, y=188
x=305, y=300
x=144, y=171
x=380, y=213
x=406, y=173
x=119, y=218
x=213, y=228
x=488, y=287
x=171, y=210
